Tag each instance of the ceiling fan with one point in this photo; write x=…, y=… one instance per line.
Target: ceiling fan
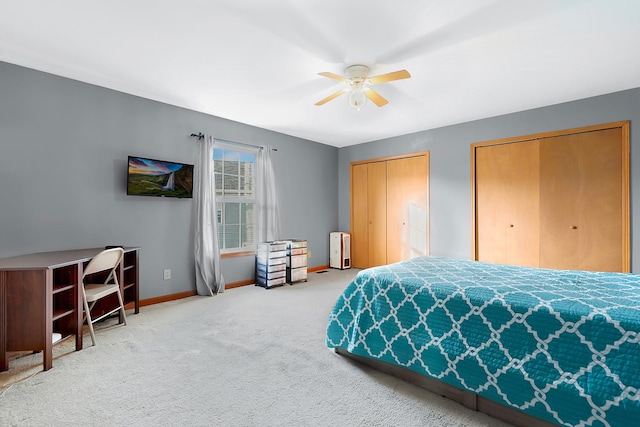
x=357, y=84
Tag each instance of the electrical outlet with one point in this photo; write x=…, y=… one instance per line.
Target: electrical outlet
x=167, y=274
x=308, y=254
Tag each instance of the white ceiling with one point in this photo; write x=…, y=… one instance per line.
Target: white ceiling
x=256, y=61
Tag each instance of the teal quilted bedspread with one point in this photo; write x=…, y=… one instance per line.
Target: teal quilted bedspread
x=560, y=345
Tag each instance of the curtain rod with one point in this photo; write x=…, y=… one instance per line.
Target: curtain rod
x=200, y=136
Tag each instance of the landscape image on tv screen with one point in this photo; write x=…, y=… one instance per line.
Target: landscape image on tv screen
x=151, y=177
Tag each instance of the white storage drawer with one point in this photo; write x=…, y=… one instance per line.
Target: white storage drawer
x=272, y=275
x=272, y=267
x=272, y=246
x=295, y=244
x=296, y=274
x=269, y=283
x=296, y=261
x=261, y=259
x=274, y=254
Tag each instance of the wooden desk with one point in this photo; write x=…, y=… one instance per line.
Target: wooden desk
x=40, y=295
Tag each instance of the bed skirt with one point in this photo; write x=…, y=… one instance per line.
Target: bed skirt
x=466, y=398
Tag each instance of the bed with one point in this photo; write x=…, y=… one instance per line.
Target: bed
x=529, y=345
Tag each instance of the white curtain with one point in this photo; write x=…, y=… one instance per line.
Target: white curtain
x=268, y=218
x=209, y=280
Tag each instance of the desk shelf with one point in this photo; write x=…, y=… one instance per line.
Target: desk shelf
x=61, y=288
x=66, y=317
x=129, y=277
x=60, y=314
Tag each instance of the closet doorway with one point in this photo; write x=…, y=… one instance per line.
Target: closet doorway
x=554, y=200
x=389, y=209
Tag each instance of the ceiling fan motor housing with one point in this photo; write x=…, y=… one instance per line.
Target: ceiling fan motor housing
x=357, y=74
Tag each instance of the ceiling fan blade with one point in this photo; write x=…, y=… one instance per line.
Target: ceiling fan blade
x=383, y=78
x=330, y=97
x=333, y=76
x=375, y=97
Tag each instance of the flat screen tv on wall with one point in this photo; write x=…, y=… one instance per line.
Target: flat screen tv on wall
x=152, y=177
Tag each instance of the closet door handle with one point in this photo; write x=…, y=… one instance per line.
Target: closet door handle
x=574, y=227
x=511, y=225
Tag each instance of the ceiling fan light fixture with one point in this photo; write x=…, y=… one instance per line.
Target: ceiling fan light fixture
x=357, y=98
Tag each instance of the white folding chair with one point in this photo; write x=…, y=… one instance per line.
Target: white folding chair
x=107, y=260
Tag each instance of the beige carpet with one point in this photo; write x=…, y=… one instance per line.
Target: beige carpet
x=248, y=357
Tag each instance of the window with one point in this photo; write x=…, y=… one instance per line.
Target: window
x=234, y=173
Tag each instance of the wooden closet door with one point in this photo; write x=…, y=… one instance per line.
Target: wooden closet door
x=359, y=217
x=523, y=204
x=491, y=200
x=507, y=203
x=377, y=213
x=407, y=183
x=582, y=201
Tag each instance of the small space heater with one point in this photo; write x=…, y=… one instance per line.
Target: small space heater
x=340, y=250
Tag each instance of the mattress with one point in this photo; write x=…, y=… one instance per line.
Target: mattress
x=560, y=345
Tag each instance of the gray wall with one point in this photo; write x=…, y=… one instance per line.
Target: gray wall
x=63, y=155
x=450, y=204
